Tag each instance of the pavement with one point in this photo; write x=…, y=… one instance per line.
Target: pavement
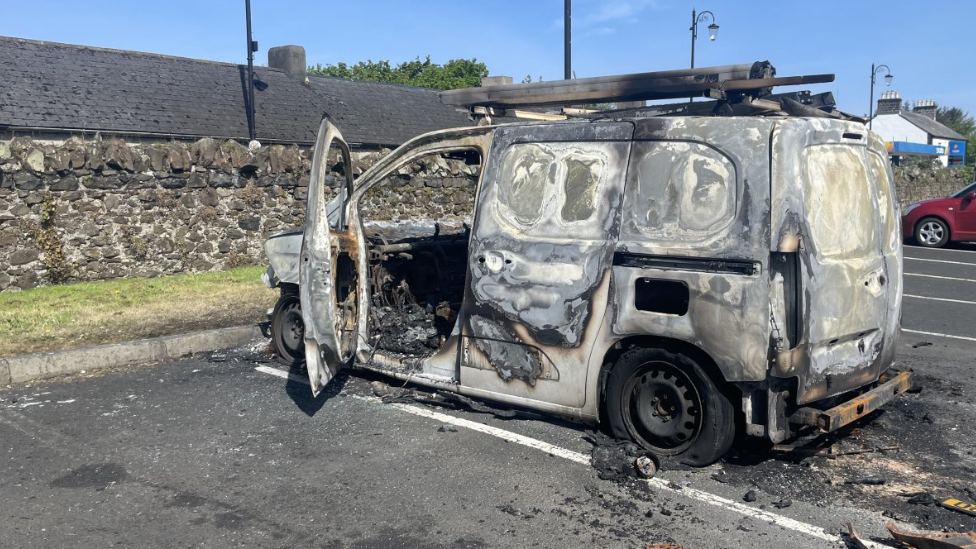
x=227, y=449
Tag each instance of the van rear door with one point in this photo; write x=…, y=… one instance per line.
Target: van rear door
x=833, y=212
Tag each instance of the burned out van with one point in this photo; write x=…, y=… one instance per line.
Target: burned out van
x=678, y=279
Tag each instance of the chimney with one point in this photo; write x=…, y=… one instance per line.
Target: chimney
x=890, y=103
x=290, y=59
x=926, y=107
x=495, y=81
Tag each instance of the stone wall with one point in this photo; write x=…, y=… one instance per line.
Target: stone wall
x=921, y=179
x=89, y=210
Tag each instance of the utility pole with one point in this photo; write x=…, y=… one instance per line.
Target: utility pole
x=568, y=41
x=251, y=48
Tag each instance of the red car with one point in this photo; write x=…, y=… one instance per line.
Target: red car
x=933, y=223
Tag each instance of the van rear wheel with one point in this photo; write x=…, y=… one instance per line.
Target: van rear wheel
x=665, y=402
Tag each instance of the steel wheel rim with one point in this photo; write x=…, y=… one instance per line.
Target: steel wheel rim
x=292, y=330
x=931, y=232
x=663, y=408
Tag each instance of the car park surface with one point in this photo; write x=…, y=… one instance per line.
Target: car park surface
x=212, y=452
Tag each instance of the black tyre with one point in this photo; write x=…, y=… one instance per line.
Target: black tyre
x=288, y=330
x=665, y=402
x=931, y=232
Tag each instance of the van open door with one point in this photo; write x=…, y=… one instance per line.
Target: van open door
x=327, y=286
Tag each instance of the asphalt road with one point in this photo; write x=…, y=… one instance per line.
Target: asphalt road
x=223, y=451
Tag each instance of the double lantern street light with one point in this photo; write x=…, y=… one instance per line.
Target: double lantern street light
x=888, y=78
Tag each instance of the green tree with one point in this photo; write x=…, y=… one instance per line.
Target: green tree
x=961, y=122
x=456, y=73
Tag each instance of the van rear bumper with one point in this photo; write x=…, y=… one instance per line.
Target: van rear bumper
x=846, y=412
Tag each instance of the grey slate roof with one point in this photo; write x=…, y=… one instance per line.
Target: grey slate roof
x=931, y=127
x=46, y=85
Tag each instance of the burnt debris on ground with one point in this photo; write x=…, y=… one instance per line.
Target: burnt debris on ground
x=902, y=462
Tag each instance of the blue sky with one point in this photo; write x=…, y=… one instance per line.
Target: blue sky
x=925, y=44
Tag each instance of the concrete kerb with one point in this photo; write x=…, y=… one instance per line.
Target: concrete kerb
x=18, y=369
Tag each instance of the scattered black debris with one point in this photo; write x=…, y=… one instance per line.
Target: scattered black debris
x=612, y=458
x=870, y=481
x=921, y=498
x=445, y=400
x=480, y=407
x=783, y=503
x=922, y=344
x=750, y=496
x=447, y=428
x=665, y=512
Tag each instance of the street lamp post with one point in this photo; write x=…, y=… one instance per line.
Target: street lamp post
x=888, y=78
x=712, y=29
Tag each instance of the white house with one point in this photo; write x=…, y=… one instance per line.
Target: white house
x=917, y=133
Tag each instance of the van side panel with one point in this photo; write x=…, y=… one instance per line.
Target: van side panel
x=696, y=214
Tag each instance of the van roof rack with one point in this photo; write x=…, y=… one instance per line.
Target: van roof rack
x=737, y=90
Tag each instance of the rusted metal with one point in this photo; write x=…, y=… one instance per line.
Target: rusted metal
x=933, y=540
x=843, y=414
x=744, y=80
x=855, y=537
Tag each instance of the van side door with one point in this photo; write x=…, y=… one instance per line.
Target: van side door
x=540, y=258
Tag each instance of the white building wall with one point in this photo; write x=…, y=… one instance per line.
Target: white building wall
x=892, y=127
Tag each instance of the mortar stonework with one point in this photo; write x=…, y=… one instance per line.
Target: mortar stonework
x=91, y=210
x=100, y=209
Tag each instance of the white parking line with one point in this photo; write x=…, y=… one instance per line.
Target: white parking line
x=942, y=277
x=941, y=261
x=942, y=299
x=583, y=459
x=282, y=374
x=936, y=334
x=939, y=249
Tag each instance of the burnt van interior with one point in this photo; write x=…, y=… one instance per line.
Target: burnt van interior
x=417, y=266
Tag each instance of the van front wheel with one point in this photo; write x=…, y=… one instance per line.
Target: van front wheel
x=665, y=402
x=288, y=330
